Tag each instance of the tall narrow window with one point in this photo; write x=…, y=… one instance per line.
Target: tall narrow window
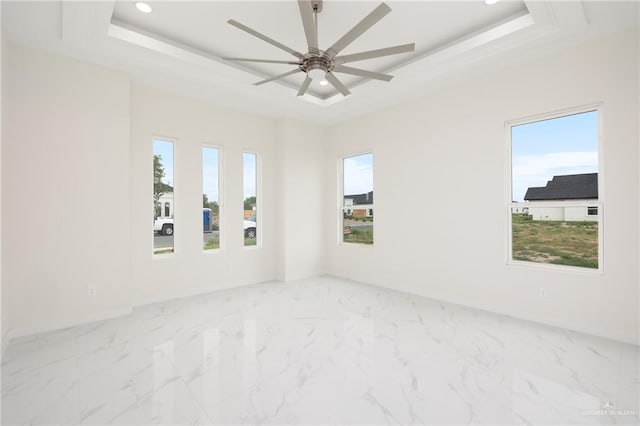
x=250, y=181
x=163, y=195
x=210, y=198
x=357, y=203
x=555, y=209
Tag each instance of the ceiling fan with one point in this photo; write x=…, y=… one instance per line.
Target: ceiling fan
x=322, y=64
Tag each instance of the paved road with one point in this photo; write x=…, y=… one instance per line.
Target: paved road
x=366, y=227
x=167, y=240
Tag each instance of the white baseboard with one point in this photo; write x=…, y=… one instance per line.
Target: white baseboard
x=618, y=336
x=195, y=292
x=16, y=332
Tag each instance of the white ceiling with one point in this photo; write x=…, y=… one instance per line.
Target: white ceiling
x=178, y=47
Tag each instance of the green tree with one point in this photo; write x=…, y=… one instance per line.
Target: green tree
x=213, y=205
x=249, y=203
x=159, y=187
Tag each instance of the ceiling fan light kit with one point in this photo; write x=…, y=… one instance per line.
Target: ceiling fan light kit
x=321, y=65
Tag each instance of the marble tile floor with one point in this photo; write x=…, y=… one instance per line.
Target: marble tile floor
x=316, y=352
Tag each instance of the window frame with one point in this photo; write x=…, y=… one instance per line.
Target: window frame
x=174, y=141
x=221, y=203
x=599, y=203
x=259, y=212
x=340, y=200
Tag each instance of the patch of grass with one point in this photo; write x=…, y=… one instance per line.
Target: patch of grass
x=212, y=244
x=249, y=241
x=555, y=242
x=359, y=236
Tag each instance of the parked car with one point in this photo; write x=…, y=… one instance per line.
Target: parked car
x=163, y=225
x=250, y=227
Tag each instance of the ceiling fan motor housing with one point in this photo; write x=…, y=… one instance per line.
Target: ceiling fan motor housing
x=321, y=62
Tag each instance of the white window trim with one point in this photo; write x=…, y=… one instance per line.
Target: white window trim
x=598, y=107
x=221, y=227
x=174, y=141
x=259, y=212
x=340, y=202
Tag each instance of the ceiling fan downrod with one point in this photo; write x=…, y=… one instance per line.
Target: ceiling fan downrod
x=316, y=5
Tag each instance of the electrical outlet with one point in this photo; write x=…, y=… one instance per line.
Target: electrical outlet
x=543, y=292
x=91, y=290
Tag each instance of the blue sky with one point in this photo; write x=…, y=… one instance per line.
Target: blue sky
x=559, y=146
x=249, y=174
x=358, y=174
x=210, y=168
x=165, y=150
x=210, y=173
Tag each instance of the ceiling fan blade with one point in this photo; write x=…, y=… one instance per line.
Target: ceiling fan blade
x=362, y=73
x=370, y=54
x=304, y=87
x=367, y=22
x=277, y=77
x=337, y=84
x=266, y=61
x=264, y=37
x=310, y=30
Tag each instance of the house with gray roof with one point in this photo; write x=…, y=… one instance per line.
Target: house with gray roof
x=580, y=189
x=358, y=205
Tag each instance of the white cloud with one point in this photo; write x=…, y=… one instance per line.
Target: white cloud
x=358, y=177
x=536, y=170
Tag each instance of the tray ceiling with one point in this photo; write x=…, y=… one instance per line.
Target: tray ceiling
x=179, y=45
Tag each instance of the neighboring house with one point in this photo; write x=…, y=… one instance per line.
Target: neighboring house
x=582, y=188
x=164, y=207
x=520, y=209
x=358, y=205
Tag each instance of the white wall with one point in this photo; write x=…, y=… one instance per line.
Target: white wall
x=4, y=296
x=191, y=124
x=65, y=151
x=301, y=170
x=449, y=151
x=547, y=213
x=78, y=134
x=579, y=213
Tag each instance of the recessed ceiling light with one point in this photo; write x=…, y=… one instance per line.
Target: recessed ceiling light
x=491, y=1
x=143, y=7
x=323, y=82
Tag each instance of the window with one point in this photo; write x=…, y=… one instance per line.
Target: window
x=250, y=183
x=555, y=198
x=163, y=195
x=357, y=199
x=210, y=198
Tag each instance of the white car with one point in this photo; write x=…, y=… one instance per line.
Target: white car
x=250, y=227
x=164, y=226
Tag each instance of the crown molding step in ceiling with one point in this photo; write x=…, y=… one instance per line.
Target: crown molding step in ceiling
x=195, y=48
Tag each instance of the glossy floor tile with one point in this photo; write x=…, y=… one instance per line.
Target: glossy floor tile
x=321, y=351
